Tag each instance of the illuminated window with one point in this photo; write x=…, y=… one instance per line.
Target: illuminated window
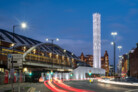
x=50, y=55
x=1, y=69
x=57, y=56
x=34, y=51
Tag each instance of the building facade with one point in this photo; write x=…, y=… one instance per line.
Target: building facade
x=129, y=64
x=111, y=70
x=96, y=40
x=37, y=56
x=133, y=65
x=88, y=59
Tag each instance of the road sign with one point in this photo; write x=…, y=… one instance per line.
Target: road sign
x=16, y=60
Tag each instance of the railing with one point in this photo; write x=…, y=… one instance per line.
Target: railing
x=37, y=58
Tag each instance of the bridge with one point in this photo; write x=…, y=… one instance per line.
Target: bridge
x=36, y=55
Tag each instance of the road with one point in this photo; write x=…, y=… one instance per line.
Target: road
x=95, y=87
x=100, y=87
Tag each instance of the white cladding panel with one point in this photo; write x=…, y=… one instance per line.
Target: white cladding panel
x=97, y=40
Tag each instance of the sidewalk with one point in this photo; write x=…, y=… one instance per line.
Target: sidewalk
x=23, y=87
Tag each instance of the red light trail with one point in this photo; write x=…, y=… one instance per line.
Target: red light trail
x=65, y=87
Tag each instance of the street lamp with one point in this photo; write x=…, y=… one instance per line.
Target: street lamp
x=119, y=59
x=114, y=33
x=114, y=44
x=64, y=51
x=119, y=47
x=52, y=41
x=22, y=25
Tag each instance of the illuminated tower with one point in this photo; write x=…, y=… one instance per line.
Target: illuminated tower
x=96, y=40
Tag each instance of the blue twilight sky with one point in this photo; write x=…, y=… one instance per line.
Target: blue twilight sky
x=71, y=22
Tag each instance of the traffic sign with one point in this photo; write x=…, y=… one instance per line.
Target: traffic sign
x=16, y=60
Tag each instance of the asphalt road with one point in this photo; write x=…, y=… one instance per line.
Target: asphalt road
x=96, y=87
x=100, y=87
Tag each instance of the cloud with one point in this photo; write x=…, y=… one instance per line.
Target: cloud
x=76, y=46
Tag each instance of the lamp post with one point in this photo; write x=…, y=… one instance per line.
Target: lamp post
x=52, y=41
x=114, y=44
x=119, y=47
x=119, y=58
x=22, y=25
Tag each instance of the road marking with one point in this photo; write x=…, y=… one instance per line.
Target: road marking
x=132, y=90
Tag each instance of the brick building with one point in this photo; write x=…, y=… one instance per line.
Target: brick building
x=124, y=65
x=88, y=59
x=129, y=63
x=133, y=59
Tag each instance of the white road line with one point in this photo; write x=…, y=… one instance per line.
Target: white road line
x=132, y=90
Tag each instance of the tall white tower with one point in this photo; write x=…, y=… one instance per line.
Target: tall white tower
x=96, y=40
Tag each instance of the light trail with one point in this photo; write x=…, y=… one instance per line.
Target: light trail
x=118, y=83
x=52, y=87
x=61, y=84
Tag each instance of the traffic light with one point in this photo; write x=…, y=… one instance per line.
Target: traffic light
x=30, y=73
x=15, y=73
x=47, y=73
x=71, y=74
x=51, y=72
x=90, y=73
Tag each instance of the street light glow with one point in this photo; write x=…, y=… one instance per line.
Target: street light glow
x=119, y=47
x=120, y=56
x=57, y=39
x=12, y=44
x=25, y=69
x=46, y=39
x=112, y=43
x=114, y=33
x=64, y=50
x=23, y=25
